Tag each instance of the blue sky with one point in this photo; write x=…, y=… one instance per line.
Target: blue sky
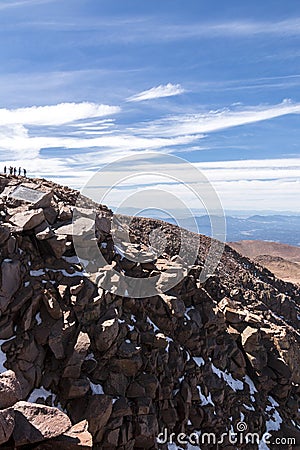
x=83, y=82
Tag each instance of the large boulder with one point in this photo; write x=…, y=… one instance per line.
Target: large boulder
x=78, y=437
x=26, y=220
x=35, y=423
x=10, y=389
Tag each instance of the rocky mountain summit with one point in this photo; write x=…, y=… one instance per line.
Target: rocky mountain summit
x=85, y=368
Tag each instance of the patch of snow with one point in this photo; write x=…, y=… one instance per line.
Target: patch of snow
x=39, y=392
x=2, y=357
x=27, y=283
x=205, y=400
x=38, y=318
x=121, y=321
x=163, y=336
x=250, y=408
x=127, y=341
x=103, y=244
x=131, y=327
x=66, y=274
x=236, y=385
x=199, y=361
x=252, y=387
x=273, y=424
x=7, y=260
x=37, y=273
x=119, y=252
x=263, y=446
x=90, y=357
x=133, y=318
x=151, y=323
x=96, y=388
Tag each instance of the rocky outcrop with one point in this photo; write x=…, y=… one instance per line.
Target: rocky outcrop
x=90, y=369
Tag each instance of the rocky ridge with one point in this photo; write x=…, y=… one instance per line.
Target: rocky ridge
x=112, y=372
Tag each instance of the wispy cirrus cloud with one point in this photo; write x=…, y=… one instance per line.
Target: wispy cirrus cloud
x=163, y=90
x=78, y=126
x=59, y=114
x=7, y=4
x=211, y=121
x=154, y=29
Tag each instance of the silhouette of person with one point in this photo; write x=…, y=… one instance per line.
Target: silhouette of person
x=24, y=171
x=4, y=170
x=15, y=171
x=19, y=171
x=11, y=170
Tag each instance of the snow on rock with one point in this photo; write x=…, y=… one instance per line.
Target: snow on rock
x=39, y=393
x=273, y=424
x=97, y=389
x=205, y=400
x=151, y=323
x=38, y=318
x=236, y=385
x=2, y=358
x=252, y=387
x=37, y=273
x=199, y=361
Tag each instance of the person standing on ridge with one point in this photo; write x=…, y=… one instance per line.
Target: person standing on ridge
x=19, y=171
x=15, y=171
x=11, y=170
x=4, y=170
x=24, y=171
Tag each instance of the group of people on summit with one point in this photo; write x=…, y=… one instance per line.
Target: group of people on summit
x=14, y=171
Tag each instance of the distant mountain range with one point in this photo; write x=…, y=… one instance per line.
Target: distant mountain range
x=276, y=228
x=281, y=259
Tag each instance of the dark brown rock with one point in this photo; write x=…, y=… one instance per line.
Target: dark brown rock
x=97, y=414
x=10, y=389
x=78, y=437
x=35, y=423
x=7, y=423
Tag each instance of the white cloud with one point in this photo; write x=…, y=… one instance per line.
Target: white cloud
x=241, y=185
x=5, y=4
x=208, y=122
x=59, y=114
x=82, y=142
x=163, y=90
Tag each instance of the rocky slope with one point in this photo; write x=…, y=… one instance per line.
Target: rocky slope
x=85, y=368
x=281, y=259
